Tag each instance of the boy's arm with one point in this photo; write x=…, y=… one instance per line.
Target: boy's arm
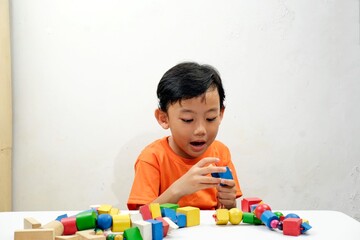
x=197, y=178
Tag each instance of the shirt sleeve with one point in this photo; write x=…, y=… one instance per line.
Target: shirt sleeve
x=146, y=184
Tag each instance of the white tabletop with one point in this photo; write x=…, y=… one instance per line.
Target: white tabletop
x=325, y=225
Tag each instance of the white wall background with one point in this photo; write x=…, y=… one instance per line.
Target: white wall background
x=85, y=74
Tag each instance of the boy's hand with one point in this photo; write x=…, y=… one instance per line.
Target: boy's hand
x=198, y=177
x=227, y=193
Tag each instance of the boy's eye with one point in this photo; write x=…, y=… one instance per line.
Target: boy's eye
x=186, y=120
x=211, y=119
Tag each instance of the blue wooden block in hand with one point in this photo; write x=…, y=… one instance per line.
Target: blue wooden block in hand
x=223, y=175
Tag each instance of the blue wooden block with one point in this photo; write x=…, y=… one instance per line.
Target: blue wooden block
x=170, y=213
x=61, y=217
x=157, y=229
x=223, y=175
x=181, y=220
x=304, y=227
x=267, y=217
x=104, y=221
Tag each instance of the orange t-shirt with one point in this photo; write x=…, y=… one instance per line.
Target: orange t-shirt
x=158, y=167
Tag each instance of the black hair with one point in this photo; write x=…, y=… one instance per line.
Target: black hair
x=187, y=80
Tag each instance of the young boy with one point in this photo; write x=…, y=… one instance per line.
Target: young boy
x=177, y=168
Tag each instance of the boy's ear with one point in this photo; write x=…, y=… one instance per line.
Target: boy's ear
x=222, y=111
x=162, y=118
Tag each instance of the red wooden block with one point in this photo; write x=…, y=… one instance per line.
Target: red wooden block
x=291, y=226
x=70, y=227
x=165, y=225
x=247, y=202
x=145, y=212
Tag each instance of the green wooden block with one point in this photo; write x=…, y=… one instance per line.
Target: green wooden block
x=132, y=234
x=169, y=205
x=86, y=220
x=250, y=218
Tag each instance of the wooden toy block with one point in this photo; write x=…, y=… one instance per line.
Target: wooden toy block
x=69, y=224
x=165, y=225
x=86, y=220
x=155, y=210
x=134, y=217
x=192, y=215
x=132, y=233
x=173, y=206
x=292, y=226
x=121, y=222
x=31, y=223
x=57, y=226
x=104, y=221
x=250, y=218
x=222, y=216
x=69, y=237
x=34, y=234
x=114, y=211
x=105, y=208
x=247, y=202
x=305, y=226
x=223, y=175
x=145, y=212
x=267, y=217
x=235, y=216
x=156, y=229
x=61, y=217
x=181, y=220
x=145, y=229
x=89, y=235
x=169, y=212
x=172, y=224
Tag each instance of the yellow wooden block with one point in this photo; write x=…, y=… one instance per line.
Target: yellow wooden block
x=104, y=208
x=192, y=215
x=155, y=210
x=235, y=216
x=34, y=234
x=114, y=211
x=222, y=216
x=121, y=222
x=119, y=237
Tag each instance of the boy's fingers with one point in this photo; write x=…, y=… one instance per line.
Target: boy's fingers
x=228, y=182
x=205, y=161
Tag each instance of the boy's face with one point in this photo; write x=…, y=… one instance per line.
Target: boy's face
x=193, y=123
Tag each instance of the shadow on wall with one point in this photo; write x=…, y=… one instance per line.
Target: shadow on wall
x=124, y=166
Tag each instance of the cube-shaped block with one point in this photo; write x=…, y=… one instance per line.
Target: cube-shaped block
x=192, y=215
x=121, y=222
x=292, y=226
x=247, y=202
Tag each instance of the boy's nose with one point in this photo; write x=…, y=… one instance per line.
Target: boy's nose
x=200, y=130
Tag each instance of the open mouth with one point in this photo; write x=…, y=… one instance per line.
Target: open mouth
x=197, y=144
